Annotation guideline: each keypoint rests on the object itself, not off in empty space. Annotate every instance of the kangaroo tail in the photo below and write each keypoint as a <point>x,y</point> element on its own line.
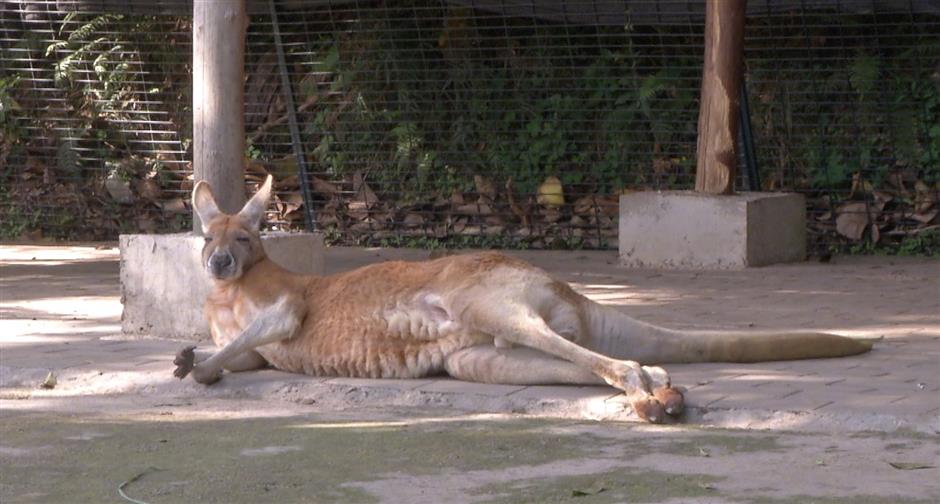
<point>616,334</point>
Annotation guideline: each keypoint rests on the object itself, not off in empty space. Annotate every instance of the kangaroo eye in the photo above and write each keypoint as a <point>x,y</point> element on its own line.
<point>243,239</point>
<point>207,238</point>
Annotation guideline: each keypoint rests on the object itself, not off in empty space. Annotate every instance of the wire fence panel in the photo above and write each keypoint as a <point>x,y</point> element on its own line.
<point>483,123</point>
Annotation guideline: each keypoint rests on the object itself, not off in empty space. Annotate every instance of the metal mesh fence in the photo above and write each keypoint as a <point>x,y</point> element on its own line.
<point>494,123</point>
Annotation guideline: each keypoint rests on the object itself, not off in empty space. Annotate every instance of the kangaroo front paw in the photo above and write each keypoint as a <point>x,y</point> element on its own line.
<point>650,409</point>
<point>185,360</point>
<point>671,398</point>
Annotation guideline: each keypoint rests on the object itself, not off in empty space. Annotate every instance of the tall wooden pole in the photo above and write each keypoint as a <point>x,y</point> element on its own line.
<point>219,100</point>
<point>720,107</point>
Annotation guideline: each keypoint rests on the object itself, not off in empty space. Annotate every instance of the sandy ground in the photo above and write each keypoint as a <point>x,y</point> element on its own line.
<point>78,442</point>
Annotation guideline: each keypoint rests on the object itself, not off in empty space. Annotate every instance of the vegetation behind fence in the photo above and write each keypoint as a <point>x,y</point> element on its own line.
<point>469,124</point>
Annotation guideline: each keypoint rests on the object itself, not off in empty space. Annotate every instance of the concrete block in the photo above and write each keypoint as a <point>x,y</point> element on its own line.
<point>164,286</point>
<point>684,229</point>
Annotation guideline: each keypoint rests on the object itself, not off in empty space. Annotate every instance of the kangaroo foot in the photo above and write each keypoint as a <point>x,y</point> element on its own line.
<point>206,375</point>
<point>671,398</point>
<point>650,409</point>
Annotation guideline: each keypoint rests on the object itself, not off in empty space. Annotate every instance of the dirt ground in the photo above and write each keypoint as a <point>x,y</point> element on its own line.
<point>79,442</point>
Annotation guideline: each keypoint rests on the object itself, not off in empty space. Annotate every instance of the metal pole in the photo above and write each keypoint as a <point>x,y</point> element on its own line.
<point>296,142</point>
<point>747,137</point>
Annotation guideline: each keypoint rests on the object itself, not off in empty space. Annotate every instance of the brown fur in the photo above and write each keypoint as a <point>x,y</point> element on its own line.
<point>410,320</point>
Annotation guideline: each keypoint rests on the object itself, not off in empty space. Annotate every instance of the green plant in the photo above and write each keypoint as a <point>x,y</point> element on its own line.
<point>926,243</point>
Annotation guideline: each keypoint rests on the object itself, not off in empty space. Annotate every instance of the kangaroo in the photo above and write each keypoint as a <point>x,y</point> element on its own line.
<point>482,317</point>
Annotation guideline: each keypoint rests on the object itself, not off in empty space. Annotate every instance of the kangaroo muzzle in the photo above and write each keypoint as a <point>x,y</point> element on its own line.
<point>222,265</point>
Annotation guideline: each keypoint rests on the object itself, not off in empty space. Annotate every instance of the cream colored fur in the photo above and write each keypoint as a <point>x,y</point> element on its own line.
<point>481,317</point>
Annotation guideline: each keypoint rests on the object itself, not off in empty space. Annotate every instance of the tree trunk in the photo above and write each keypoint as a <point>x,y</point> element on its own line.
<point>219,100</point>
<point>719,107</point>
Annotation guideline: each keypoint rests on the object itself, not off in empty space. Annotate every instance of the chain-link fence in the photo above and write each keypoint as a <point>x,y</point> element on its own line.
<point>495,123</point>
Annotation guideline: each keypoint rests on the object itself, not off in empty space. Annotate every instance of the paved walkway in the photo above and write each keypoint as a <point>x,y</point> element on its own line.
<point>60,312</point>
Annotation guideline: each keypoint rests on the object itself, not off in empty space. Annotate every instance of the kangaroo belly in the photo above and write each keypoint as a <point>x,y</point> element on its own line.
<point>393,343</point>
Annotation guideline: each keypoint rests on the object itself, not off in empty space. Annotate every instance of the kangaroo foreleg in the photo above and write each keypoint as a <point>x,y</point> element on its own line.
<point>276,323</point>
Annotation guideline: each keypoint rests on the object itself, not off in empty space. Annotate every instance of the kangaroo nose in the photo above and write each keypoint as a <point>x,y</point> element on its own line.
<point>221,261</point>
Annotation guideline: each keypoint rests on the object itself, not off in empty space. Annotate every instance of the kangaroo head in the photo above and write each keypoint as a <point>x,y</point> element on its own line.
<point>233,242</point>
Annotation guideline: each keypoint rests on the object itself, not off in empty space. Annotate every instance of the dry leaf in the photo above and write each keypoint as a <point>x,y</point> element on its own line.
<point>362,190</point>
<point>925,217</point>
<point>290,203</point>
<point>119,189</point>
<point>881,198</point>
<point>413,220</point>
<point>173,205</point>
<point>255,170</point>
<point>456,198</point>
<point>584,205</point>
<point>49,382</point>
<point>924,197</point>
<point>148,189</point>
<point>460,224</point>
<point>485,186</point>
<point>323,187</point>
<point>594,489</point>
<point>494,220</point>
<point>852,219</point>
<point>289,183</point>
<point>478,208</point>
<point>366,225</point>
<point>146,224</point>
<point>550,193</point>
<point>358,210</point>
<point>551,215</point>
<point>327,219</point>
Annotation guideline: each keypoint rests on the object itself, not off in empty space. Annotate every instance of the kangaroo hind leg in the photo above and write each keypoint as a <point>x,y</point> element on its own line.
<point>518,324</point>
<point>515,366</point>
<point>187,358</point>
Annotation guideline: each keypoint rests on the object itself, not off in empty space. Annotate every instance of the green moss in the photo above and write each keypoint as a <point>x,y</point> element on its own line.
<point>613,486</point>
<point>204,461</point>
<point>854,499</point>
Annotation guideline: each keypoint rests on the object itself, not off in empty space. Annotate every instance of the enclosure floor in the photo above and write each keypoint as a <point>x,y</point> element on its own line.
<point>61,312</point>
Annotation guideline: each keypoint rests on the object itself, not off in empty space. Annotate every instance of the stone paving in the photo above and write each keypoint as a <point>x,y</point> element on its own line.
<point>60,312</point>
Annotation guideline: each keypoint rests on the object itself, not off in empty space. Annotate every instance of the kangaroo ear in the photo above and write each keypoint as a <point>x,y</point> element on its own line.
<point>253,211</point>
<point>204,204</point>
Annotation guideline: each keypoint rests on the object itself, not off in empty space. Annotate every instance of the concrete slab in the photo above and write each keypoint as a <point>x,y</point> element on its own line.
<point>59,311</point>
<point>683,229</point>
<point>164,286</point>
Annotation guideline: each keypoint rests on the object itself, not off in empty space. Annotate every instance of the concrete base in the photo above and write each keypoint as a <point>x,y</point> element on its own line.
<point>164,286</point>
<point>684,229</point>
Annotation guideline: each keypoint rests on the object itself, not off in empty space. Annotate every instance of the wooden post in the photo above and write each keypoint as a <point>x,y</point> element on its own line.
<point>219,100</point>
<point>719,107</point>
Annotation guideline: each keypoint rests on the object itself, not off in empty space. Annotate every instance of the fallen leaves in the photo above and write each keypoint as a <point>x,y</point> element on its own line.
<point>49,382</point>
<point>594,489</point>
<point>890,212</point>
<point>852,219</point>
